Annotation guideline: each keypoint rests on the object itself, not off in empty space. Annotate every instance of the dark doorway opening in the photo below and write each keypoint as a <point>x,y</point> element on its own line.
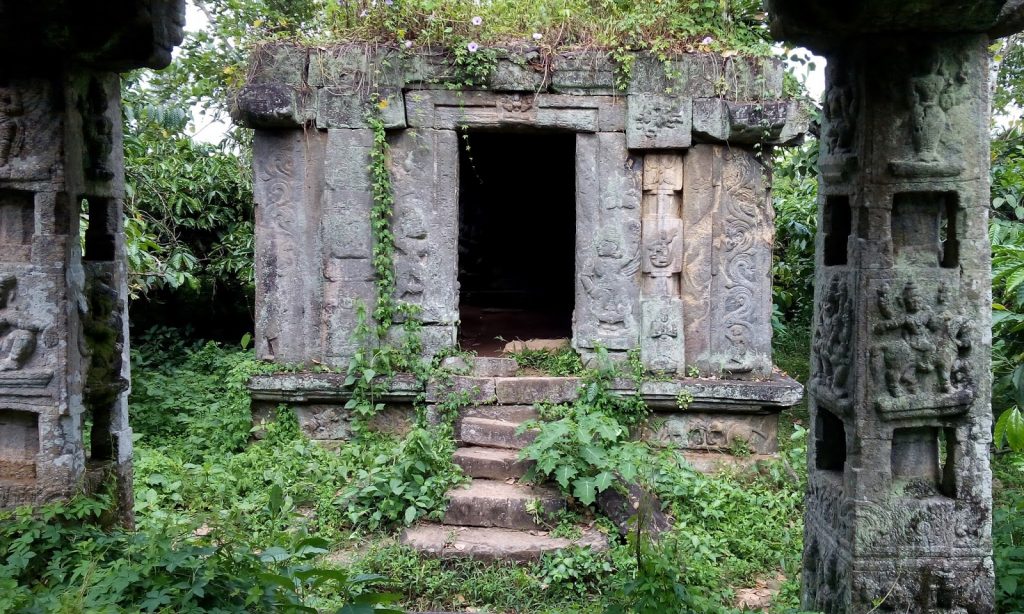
<point>517,235</point>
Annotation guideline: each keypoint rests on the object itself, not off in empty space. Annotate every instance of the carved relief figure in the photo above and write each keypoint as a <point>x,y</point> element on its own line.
<point>664,330</point>
<point>931,96</point>
<point>840,110</point>
<point>98,132</point>
<point>603,276</point>
<point>17,337</point>
<point>12,129</point>
<point>659,116</point>
<point>832,338</point>
<point>516,104</point>
<point>928,353</point>
<point>413,247</point>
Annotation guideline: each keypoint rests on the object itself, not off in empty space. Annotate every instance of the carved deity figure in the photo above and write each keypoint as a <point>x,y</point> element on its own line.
<point>602,279</point>
<point>17,338</point>
<point>664,330</point>
<point>931,96</point>
<point>98,132</point>
<point>413,246</point>
<point>832,339</point>
<point>12,131</point>
<point>739,358</point>
<point>840,111</point>
<point>931,342</point>
<point>659,251</point>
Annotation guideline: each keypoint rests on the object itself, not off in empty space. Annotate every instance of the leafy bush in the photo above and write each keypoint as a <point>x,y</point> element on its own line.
<point>59,558</point>
<point>794,193</point>
<point>1008,532</point>
<point>561,363</point>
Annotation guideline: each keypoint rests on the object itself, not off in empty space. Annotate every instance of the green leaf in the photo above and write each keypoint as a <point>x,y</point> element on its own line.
<point>1010,427</point>
<point>410,514</point>
<point>564,474</point>
<point>603,481</point>
<point>585,489</point>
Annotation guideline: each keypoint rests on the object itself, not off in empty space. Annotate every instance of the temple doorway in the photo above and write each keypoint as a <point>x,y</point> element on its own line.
<point>517,229</point>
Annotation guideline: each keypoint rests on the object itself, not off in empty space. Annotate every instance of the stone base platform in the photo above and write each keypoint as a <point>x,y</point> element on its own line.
<point>695,415</point>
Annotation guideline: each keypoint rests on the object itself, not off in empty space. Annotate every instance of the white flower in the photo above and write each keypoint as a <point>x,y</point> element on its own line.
<point>477,21</point>
<point>408,44</point>
<point>537,36</point>
<point>472,47</point>
<point>707,40</point>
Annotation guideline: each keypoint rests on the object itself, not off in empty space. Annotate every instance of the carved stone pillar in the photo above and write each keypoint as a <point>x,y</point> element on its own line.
<point>899,500</point>
<point>63,324</point>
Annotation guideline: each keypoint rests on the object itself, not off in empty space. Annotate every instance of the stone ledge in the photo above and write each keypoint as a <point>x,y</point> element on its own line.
<point>742,396</point>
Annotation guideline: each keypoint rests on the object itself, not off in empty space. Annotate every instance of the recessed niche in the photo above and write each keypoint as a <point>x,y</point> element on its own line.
<point>924,229</point>
<point>17,225</point>
<point>837,220</point>
<point>926,456</point>
<point>19,444</point>
<point>100,229</point>
<point>829,442</point>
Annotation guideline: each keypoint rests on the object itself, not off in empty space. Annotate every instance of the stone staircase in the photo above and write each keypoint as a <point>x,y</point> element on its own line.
<point>495,516</point>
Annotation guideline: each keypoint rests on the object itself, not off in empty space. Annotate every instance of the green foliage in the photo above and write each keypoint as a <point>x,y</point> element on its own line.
<point>660,27</point>
<point>584,445</point>
<point>190,396</point>
<point>657,584</point>
<point>402,484</point>
<point>60,559</point>
<point>794,193</point>
<point>558,363</point>
<point>1008,532</point>
<point>574,571</point>
<point>188,206</point>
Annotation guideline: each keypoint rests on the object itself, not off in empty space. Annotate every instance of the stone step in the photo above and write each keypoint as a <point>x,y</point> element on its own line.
<point>491,463</point>
<point>492,433</point>
<point>493,544</point>
<point>490,503</point>
<point>530,390</point>
<point>505,413</point>
<point>482,366</point>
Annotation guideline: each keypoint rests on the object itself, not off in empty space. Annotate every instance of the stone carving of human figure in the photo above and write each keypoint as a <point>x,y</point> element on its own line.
<point>664,330</point>
<point>17,339</point>
<point>738,358</point>
<point>832,342</point>
<point>907,359</point>
<point>413,247</point>
<point>839,108</point>
<point>602,281</point>
<point>954,340</point>
<point>12,133</point>
<point>931,96</point>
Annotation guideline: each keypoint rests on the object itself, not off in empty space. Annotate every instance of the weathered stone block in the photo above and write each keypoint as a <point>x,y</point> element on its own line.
<point>657,121</point>
<point>425,180</point>
<point>493,433</point>
<point>726,285</point>
<point>488,503</point>
<point>278,63</point>
<point>518,72</point>
<point>662,343</point>
<point>530,390</point>
<point>586,72</point>
<point>491,463</point>
<point>476,389</point>
<point>274,105</point>
<point>608,183</point>
<point>341,107</point>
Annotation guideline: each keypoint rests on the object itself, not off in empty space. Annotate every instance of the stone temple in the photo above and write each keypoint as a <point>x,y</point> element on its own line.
<point>545,205</point>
